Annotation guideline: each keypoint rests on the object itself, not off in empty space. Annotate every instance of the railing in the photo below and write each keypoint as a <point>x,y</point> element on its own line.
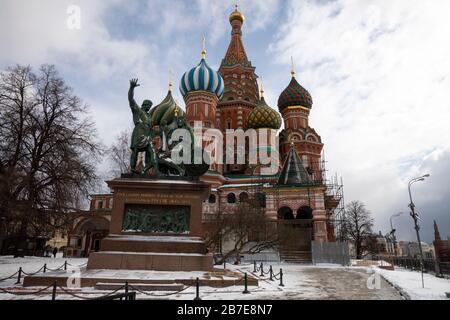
<point>440,269</point>
<point>44,269</point>
<point>272,276</point>
<point>130,291</point>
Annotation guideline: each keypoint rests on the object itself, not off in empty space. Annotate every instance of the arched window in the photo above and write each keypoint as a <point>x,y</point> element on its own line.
<point>285,213</point>
<point>262,199</point>
<point>312,138</point>
<point>212,199</point>
<point>231,198</point>
<point>228,123</point>
<point>305,213</point>
<point>243,197</point>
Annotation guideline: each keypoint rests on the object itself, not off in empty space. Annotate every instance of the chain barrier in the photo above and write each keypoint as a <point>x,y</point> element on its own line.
<point>10,277</point>
<point>44,269</point>
<point>63,266</point>
<point>278,276</point>
<point>272,275</point>
<point>32,274</point>
<point>77,266</point>
<point>158,295</point>
<point>25,293</point>
<point>86,298</point>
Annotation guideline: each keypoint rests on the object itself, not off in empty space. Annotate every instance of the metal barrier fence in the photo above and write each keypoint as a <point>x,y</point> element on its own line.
<point>130,291</point>
<point>440,269</point>
<point>330,252</point>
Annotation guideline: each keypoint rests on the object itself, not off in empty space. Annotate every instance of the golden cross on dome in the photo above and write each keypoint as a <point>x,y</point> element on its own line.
<point>293,73</point>
<point>204,47</point>
<point>170,79</point>
<point>262,87</point>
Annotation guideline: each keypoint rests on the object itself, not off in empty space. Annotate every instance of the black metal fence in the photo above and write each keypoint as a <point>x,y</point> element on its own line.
<point>130,291</point>
<point>440,269</point>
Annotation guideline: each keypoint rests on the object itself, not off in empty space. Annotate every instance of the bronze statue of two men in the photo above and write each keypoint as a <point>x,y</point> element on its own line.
<point>160,160</point>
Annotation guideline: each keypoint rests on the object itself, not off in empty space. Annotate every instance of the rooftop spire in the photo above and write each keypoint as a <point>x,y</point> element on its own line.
<point>437,235</point>
<point>170,79</point>
<point>204,48</point>
<point>262,87</point>
<point>293,73</point>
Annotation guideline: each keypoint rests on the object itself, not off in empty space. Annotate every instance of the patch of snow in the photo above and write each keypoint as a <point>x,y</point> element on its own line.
<point>411,283</point>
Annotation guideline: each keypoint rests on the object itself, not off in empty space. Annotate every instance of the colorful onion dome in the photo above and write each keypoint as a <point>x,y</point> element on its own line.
<point>263,116</point>
<point>294,96</point>
<point>236,15</point>
<point>202,78</point>
<point>166,111</point>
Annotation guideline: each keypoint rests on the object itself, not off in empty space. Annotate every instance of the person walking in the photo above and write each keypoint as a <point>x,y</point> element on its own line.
<point>55,251</point>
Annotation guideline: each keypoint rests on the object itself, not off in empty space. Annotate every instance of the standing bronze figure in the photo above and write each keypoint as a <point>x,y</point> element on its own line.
<point>142,137</point>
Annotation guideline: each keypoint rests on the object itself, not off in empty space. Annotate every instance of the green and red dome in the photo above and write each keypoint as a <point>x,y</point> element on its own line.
<point>294,96</point>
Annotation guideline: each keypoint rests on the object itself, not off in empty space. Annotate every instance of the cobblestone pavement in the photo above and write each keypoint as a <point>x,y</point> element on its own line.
<point>327,283</point>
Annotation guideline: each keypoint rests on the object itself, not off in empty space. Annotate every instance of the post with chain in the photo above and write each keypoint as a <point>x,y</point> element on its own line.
<point>65,265</point>
<point>54,291</point>
<point>262,270</point>
<point>19,276</point>
<point>281,278</point>
<point>246,284</point>
<point>271,273</point>
<point>45,267</point>
<point>254,267</point>
<point>197,290</point>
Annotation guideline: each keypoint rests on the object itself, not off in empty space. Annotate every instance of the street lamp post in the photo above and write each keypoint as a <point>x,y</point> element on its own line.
<point>394,238</point>
<point>415,217</point>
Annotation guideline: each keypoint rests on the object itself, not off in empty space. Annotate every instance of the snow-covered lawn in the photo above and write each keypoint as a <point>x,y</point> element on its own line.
<point>301,282</point>
<point>410,282</point>
<point>10,265</point>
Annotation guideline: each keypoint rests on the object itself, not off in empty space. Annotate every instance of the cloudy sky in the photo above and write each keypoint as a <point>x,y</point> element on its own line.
<point>378,71</point>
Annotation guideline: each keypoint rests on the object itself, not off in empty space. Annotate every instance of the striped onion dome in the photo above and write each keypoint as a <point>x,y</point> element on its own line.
<point>166,111</point>
<point>202,78</point>
<point>294,96</point>
<point>263,116</point>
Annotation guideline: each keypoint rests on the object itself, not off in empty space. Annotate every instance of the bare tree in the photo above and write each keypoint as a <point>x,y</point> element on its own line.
<point>358,225</point>
<point>48,149</point>
<point>119,154</point>
<point>247,220</point>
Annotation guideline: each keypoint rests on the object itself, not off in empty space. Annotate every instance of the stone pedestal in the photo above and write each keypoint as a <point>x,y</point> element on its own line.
<point>155,225</point>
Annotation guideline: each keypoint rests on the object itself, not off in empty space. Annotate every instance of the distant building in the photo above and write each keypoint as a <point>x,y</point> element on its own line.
<point>90,227</point>
<point>412,250</point>
<point>442,247</point>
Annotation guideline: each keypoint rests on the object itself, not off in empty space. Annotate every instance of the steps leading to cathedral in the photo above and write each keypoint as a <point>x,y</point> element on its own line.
<point>300,257</point>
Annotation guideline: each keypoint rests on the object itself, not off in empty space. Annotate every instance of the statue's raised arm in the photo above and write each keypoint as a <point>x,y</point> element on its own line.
<point>133,84</point>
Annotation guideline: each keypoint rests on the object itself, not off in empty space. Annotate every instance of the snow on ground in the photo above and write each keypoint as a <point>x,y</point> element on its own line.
<point>301,282</point>
<point>411,283</point>
<point>10,265</point>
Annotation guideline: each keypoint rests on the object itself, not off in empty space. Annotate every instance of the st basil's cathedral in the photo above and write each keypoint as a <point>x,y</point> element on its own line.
<point>302,204</point>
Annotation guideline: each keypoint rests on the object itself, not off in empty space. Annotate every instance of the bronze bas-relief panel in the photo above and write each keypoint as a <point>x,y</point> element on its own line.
<point>148,218</point>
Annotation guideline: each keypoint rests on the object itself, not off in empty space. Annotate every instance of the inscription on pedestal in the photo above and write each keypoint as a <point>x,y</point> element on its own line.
<point>149,218</point>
